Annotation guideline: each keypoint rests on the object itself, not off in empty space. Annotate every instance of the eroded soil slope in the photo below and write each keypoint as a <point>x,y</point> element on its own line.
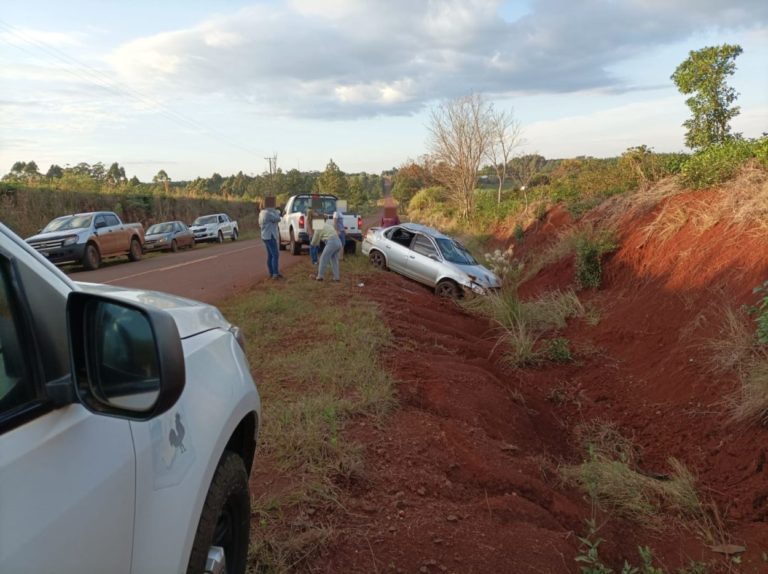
<point>464,476</point>
<point>461,479</point>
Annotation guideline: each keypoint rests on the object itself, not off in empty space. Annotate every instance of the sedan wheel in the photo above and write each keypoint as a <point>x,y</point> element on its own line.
<point>377,260</point>
<point>447,289</point>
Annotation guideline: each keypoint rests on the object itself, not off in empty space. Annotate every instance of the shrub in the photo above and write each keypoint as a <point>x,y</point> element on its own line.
<point>591,245</point>
<point>558,350</point>
<point>427,198</point>
<point>505,266</point>
<point>721,162</point>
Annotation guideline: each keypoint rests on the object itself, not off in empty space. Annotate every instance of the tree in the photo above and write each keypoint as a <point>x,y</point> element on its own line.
<point>333,181</point>
<point>115,174</point>
<point>54,172</point>
<point>505,137</point>
<point>163,178</point>
<point>703,74</point>
<point>524,169</point>
<point>460,133</point>
<point>410,177</point>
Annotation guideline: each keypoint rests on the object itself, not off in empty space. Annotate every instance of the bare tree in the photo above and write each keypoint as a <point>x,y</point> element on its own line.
<point>524,168</point>
<point>505,137</point>
<point>460,133</point>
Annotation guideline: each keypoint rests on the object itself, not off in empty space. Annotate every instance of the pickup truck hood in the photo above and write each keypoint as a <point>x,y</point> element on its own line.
<point>192,317</point>
<point>55,235</point>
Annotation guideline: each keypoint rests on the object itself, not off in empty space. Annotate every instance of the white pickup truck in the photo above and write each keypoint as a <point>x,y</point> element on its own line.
<point>215,227</point>
<point>128,423</point>
<point>293,224</point>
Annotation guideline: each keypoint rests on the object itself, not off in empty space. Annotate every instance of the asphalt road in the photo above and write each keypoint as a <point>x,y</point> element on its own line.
<point>207,273</point>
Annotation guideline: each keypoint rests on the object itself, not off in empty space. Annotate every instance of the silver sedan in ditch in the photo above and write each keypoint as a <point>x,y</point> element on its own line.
<point>427,256</point>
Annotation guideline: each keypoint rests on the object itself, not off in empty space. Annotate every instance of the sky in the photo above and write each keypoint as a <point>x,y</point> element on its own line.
<point>202,86</point>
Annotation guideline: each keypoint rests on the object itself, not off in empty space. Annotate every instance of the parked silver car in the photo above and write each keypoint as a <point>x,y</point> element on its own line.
<point>427,256</point>
<point>168,236</point>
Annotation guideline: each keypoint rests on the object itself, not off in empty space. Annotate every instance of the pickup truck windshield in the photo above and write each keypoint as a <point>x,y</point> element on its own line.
<point>160,228</point>
<point>455,252</point>
<point>69,222</point>
<point>206,219</point>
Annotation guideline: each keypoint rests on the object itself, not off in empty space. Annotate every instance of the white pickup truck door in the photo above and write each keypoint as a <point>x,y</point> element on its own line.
<point>67,476</point>
<point>67,487</point>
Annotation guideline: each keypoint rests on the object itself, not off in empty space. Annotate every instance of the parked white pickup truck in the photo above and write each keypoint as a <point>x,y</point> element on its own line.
<point>128,423</point>
<point>293,224</point>
<point>215,227</point>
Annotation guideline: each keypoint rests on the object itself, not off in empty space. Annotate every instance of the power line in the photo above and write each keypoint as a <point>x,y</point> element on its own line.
<point>96,77</point>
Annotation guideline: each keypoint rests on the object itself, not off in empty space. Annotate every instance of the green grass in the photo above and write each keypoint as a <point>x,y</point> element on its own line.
<point>313,348</point>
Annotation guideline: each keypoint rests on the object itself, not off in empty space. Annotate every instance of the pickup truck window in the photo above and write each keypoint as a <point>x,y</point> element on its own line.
<point>100,222</point>
<point>327,205</point>
<point>69,222</point>
<point>112,220</point>
<point>15,387</point>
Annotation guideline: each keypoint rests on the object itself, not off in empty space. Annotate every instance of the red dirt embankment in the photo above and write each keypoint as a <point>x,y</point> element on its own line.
<point>464,476</point>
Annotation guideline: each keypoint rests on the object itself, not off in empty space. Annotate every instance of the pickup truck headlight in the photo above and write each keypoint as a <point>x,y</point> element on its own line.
<point>70,240</point>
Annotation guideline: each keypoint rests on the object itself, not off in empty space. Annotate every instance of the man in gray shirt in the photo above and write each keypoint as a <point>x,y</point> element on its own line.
<point>269,217</point>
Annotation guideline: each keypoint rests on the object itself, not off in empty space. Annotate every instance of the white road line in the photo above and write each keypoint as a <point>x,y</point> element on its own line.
<point>178,265</point>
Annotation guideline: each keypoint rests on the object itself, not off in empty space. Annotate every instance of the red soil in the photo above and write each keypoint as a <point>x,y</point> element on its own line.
<point>464,476</point>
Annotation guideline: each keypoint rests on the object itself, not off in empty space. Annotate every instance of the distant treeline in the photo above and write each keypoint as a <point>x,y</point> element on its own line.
<point>29,198</point>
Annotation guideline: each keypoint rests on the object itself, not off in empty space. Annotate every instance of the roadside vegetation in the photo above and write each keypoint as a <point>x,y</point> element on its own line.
<point>291,331</point>
<point>30,198</point>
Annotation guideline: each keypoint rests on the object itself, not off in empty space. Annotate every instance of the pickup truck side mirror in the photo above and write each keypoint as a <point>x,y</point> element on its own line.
<point>127,359</point>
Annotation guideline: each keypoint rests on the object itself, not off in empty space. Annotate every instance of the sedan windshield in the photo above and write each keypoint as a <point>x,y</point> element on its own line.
<point>160,228</point>
<point>206,220</point>
<point>455,252</point>
<point>69,222</point>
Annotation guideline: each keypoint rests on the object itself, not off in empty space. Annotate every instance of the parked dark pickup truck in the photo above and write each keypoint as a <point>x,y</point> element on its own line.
<point>87,238</point>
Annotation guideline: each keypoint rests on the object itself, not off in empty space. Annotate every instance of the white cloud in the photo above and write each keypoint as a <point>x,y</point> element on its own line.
<point>352,58</point>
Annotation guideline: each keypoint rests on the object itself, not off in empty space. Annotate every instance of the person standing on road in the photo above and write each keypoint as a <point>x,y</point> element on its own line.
<point>331,251</point>
<point>338,223</point>
<point>309,227</point>
<point>268,219</point>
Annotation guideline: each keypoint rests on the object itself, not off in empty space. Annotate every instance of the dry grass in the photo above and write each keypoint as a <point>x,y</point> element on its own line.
<point>291,331</point>
<point>737,350</point>
<point>522,323</point>
<point>611,478</point>
<point>740,204</point>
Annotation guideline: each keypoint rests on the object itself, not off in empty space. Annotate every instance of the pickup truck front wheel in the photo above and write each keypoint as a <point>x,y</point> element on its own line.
<point>135,252</point>
<point>225,521</point>
<point>91,257</point>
